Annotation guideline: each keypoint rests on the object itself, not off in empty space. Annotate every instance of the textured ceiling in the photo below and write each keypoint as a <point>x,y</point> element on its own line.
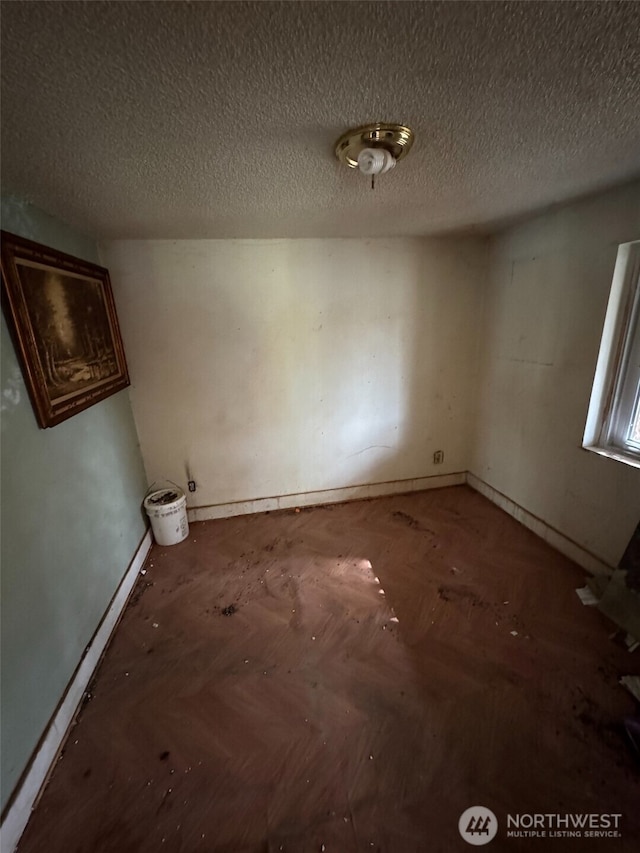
<point>212,119</point>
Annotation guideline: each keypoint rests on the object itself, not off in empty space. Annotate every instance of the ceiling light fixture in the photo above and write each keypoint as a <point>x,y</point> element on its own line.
<point>374,148</point>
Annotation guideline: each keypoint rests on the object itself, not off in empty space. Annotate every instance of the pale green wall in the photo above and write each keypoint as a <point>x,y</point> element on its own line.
<point>71,522</point>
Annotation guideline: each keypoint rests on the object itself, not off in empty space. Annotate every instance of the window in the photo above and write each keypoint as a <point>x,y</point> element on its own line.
<point>613,422</point>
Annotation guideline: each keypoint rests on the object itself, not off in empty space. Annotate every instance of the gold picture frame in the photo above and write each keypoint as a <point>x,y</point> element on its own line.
<point>62,317</point>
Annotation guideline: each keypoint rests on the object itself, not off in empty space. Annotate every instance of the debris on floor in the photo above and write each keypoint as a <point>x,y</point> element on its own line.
<point>631,643</point>
<point>587,596</point>
<point>206,751</point>
<point>613,596</point>
<point>632,683</point>
<point>621,603</point>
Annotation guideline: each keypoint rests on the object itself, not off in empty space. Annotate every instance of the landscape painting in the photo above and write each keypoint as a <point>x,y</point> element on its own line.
<point>64,325</point>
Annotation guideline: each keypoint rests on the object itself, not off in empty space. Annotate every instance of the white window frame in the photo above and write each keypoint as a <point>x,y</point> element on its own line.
<point>615,398</point>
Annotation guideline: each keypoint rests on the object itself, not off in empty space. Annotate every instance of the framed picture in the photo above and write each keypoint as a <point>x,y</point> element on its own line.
<point>62,317</point>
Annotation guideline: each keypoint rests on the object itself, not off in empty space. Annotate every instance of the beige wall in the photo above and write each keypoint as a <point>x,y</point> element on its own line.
<point>281,367</point>
<point>288,366</point>
<point>545,304</point>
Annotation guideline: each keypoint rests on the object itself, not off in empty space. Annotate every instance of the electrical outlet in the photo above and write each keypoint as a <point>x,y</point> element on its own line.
<point>438,457</point>
<point>192,485</point>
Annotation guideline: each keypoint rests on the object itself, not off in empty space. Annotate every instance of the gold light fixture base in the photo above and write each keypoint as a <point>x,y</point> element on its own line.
<point>396,138</point>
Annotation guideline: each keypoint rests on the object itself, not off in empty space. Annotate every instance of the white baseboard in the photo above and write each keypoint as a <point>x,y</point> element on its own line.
<point>43,759</point>
<point>557,540</point>
<point>325,496</point>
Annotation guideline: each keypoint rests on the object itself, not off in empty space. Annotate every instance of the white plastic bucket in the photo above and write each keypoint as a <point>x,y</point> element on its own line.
<point>167,511</point>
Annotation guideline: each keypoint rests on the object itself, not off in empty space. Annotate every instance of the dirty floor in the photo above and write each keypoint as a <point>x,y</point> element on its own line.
<point>347,678</point>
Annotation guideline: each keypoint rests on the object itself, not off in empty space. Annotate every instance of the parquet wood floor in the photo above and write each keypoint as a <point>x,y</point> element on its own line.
<point>382,666</point>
